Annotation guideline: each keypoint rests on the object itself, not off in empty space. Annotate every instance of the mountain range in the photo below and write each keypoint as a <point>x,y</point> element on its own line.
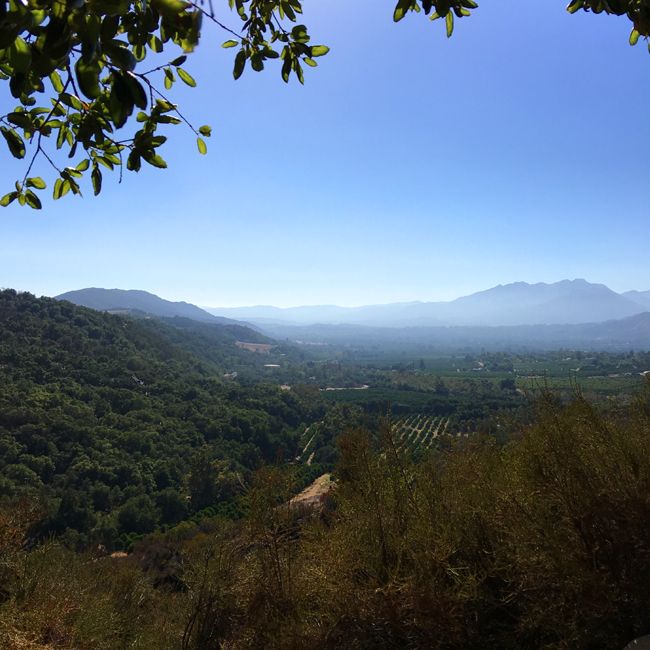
<point>570,313</point>
<point>560,303</point>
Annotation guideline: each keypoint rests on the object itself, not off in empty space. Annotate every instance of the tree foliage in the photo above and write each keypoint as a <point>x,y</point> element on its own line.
<point>92,77</point>
<point>118,428</point>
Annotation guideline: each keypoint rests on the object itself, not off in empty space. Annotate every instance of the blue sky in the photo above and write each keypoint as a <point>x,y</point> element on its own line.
<point>409,167</point>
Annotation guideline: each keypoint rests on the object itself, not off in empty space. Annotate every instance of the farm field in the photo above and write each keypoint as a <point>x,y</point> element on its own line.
<point>417,433</point>
<point>602,385</point>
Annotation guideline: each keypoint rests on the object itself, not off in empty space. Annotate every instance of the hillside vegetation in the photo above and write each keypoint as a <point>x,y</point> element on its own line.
<point>146,494</point>
<point>543,543</point>
<point>120,425</point>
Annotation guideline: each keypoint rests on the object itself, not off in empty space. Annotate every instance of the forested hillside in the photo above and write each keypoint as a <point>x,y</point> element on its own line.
<point>119,426</point>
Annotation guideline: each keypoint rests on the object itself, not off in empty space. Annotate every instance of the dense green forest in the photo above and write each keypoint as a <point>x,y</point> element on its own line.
<point>123,425</point>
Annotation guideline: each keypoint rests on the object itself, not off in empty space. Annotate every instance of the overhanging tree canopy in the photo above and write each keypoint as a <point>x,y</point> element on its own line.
<point>91,76</point>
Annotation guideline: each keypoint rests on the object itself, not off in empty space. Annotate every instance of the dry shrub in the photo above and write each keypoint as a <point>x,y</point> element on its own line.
<point>543,543</point>
<point>68,600</point>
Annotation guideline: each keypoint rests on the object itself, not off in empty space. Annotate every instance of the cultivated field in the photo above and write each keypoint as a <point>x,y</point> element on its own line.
<point>419,431</point>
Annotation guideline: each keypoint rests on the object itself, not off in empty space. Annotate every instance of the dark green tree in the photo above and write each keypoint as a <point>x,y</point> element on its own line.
<point>138,515</point>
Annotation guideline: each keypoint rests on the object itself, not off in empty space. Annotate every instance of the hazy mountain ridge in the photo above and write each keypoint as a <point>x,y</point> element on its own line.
<point>640,297</point>
<point>570,313</point>
<point>133,300</point>
<point>560,303</point>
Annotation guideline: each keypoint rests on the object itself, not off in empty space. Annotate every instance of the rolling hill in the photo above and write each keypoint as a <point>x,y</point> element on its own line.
<point>120,300</point>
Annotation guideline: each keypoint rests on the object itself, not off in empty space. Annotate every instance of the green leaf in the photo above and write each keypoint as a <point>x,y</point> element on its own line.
<point>154,159</point>
<point>319,50</point>
<point>203,148</point>
<point>138,94</point>
<point>298,70</point>
<point>22,120</point>
<point>96,177</point>
<point>169,78</point>
<point>36,182</point>
<point>20,55</point>
<point>120,101</point>
<point>240,64</point>
<point>71,100</point>
<point>88,78</point>
<point>69,172</point>
<point>8,198</point>
<point>230,44</point>
<point>57,84</point>
<point>155,44</point>
<point>634,37</point>
<point>61,137</point>
<point>170,8</point>
<point>310,62</point>
<point>83,165</point>
<point>286,65</point>
<point>449,23</point>
<point>122,57</point>
<point>299,34</point>
<point>32,200</point>
<point>134,162</point>
<point>257,62</point>
<point>205,130</point>
<point>72,184</point>
<point>164,106</point>
<point>57,193</point>
<point>14,142</point>
<point>575,6</point>
<point>186,77</point>
<point>401,8</point>
<point>178,61</point>
<point>59,8</point>
<point>168,119</point>
<point>139,52</point>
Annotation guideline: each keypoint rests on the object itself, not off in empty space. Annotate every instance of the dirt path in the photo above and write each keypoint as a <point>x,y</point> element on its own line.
<point>313,494</point>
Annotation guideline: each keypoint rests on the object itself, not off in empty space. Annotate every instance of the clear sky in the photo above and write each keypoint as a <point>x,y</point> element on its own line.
<point>409,167</point>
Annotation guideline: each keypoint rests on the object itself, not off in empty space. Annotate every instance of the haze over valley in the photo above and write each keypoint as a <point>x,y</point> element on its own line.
<point>569,313</point>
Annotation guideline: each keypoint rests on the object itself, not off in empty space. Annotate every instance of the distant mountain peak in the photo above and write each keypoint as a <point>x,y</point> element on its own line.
<point>518,303</point>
